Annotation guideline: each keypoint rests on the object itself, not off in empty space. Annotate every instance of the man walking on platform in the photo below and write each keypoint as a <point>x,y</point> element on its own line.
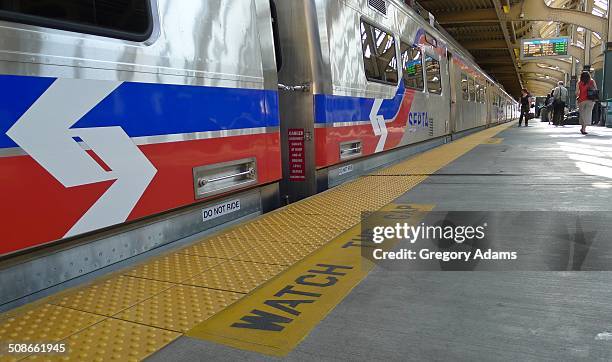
<point>525,105</point>
<point>560,95</point>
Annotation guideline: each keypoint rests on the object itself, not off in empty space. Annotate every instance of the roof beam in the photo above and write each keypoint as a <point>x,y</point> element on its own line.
<point>537,10</point>
<point>551,83</point>
<point>558,63</point>
<point>504,26</point>
<point>527,10</point>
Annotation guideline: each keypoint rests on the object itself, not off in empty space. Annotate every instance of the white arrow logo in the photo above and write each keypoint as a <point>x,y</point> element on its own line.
<point>44,133</point>
<point>378,124</point>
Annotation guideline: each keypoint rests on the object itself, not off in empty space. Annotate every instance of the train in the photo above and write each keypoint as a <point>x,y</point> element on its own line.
<point>157,119</point>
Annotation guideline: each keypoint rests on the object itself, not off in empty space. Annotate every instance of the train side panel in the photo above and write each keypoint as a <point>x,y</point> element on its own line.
<point>97,131</point>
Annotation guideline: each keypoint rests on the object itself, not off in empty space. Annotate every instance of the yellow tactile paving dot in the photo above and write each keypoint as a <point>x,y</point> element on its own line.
<point>221,246</point>
<point>111,296</point>
<point>277,253</point>
<point>45,323</point>
<point>341,222</point>
<point>179,308</point>
<point>174,267</point>
<point>282,233</point>
<point>113,340</point>
<point>236,276</point>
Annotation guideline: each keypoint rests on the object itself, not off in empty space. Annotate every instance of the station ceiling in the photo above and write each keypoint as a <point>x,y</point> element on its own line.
<point>483,29</point>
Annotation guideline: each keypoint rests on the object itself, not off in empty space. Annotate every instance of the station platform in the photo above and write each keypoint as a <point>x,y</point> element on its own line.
<point>293,283</point>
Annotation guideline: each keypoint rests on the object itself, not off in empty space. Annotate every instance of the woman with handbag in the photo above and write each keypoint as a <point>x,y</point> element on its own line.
<point>587,94</point>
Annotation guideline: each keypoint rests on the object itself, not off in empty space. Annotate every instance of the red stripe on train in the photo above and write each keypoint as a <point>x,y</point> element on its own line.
<point>37,209</point>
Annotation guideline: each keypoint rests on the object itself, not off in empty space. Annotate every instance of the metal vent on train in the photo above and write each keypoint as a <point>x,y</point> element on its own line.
<point>380,5</point>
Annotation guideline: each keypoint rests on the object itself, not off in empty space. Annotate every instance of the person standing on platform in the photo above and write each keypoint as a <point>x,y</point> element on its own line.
<point>560,95</point>
<point>546,113</point>
<point>586,93</point>
<point>525,103</point>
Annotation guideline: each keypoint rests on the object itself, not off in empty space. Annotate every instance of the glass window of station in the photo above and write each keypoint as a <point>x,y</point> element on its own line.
<point>412,62</point>
<point>91,17</point>
<point>379,58</point>
<point>434,80</point>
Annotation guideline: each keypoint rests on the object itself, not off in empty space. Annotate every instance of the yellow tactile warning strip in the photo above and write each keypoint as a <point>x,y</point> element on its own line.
<point>139,310</point>
<point>322,221</point>
<point>218,247</point>
<point>277,253</point>
<point>236,276</point>
<point>111,296</point>
<point>174,267</point>
<point>113,340</point>
<point>180,308</point>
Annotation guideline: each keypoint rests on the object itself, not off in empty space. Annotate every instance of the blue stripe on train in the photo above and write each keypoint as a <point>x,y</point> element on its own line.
<point>148,109</point>
<point>333,109</point>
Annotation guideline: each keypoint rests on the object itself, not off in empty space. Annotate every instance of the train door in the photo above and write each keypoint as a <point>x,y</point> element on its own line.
<point>438,94</point>
<point>453,93</point>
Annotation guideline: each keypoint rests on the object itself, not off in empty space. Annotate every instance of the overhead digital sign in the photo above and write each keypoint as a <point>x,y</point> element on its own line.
<point>413,66</point>
<point>544,48</point>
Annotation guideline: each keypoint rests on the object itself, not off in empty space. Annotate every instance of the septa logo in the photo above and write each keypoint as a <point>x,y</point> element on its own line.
<point>418,119</point>
<point>45,133</point>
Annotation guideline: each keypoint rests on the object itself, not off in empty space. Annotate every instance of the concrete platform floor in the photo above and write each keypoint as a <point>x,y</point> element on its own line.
<point>492,316</point>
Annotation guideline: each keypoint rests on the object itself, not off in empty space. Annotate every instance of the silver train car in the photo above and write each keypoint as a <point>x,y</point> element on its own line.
<point>383,83</point>
<point>129,124</point>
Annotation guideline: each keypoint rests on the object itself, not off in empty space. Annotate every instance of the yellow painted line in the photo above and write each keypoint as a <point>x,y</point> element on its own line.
<point>276,317</point>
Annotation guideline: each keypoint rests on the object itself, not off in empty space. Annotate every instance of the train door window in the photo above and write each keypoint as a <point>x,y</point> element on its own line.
<point>472,87</point>
<point>477,91</point>
<point>379,54</point>
<point>434,80</point>
<point>465,87</point>
<point>124,19</point>
<point>412,63</point>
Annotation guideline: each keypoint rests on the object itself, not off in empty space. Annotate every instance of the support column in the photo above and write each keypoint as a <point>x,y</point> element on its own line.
<point>607,83</point>
<point>572,74</point>
<point>588,8</point>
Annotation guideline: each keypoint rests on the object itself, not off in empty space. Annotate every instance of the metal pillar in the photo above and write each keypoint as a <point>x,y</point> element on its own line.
<point>588,8</point>
<point>607,76</point>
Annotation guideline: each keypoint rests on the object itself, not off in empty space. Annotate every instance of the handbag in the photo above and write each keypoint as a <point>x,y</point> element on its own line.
<point>592,92</point>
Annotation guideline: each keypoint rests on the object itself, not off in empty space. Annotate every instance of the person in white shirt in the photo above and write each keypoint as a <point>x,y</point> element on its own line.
<point>560,95</point>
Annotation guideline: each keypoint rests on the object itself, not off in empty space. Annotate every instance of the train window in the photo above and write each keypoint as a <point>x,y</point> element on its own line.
<point>478,86</point>
<point>434,80</point>
<point>472,90</point>
<point>464,87</point>
<point>483,94</point>
<point>124,19</point>
<point>379,56</point>
<point>412,62</point>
